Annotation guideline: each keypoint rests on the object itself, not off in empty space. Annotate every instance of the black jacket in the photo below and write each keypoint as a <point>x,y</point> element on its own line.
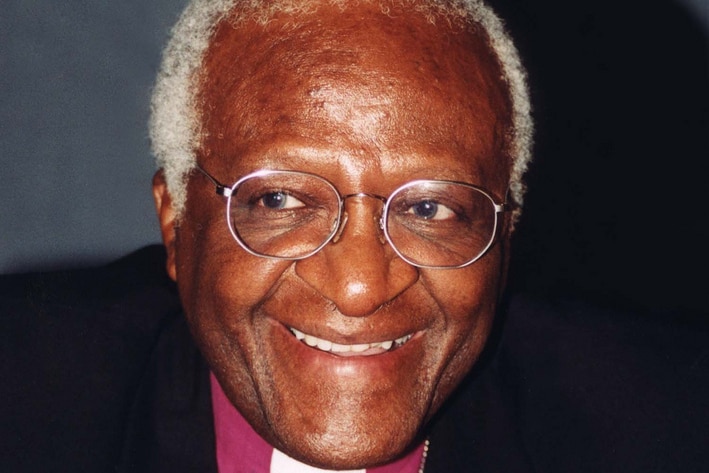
<point>99,374</point>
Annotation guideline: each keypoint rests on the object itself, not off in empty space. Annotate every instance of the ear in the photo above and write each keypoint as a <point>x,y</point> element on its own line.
<point>167,220</point>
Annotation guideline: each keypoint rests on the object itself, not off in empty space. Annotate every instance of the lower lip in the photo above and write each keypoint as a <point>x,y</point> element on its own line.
<point>387,363</point>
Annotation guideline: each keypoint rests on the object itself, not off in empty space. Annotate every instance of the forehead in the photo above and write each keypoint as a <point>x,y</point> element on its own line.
<point>354,79</point>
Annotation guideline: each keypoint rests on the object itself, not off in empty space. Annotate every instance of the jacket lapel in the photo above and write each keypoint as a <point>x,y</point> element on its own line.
<point>171,427</point>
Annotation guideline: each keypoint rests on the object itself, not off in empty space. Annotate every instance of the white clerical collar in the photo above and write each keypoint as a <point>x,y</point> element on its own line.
<point>282,463</point>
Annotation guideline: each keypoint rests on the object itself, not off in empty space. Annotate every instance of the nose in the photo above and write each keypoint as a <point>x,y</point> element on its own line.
<point>358,271</point>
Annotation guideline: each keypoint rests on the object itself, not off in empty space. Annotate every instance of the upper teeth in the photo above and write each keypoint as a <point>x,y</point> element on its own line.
<point>327,345</point>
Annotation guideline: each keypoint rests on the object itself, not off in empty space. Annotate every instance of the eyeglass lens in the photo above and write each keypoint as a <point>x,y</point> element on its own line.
<point>429,223</point>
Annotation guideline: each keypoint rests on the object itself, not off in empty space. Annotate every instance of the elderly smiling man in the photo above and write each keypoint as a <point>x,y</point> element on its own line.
<point>372,148</point>
<point>338,185</point>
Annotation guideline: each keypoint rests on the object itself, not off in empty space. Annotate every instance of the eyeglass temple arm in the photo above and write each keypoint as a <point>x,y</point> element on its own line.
<point>508,205</point>
<point>220,188</point>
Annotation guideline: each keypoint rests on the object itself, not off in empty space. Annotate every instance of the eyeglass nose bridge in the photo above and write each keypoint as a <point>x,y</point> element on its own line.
<point>344,216</point>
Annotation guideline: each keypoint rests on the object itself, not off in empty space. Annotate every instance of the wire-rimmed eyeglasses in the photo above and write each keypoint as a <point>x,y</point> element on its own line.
<point>292,215</point>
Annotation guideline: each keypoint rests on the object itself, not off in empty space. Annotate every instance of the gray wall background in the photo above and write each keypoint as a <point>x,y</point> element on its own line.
<point>75,169</point>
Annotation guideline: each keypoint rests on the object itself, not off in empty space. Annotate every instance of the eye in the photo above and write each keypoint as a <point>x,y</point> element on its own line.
<point>279,201</point>
<point>431,210</point>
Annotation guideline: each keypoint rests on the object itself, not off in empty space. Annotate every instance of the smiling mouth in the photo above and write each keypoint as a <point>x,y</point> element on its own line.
<point>359,349</point>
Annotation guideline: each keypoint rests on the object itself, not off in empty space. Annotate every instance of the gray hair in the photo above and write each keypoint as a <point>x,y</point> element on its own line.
<point>175,123</point>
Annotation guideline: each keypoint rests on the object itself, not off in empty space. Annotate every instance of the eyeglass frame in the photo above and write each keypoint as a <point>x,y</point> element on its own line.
<point>228,191</point>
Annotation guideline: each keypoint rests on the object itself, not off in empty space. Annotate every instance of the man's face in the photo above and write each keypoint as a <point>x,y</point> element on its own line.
<point>369,102</point>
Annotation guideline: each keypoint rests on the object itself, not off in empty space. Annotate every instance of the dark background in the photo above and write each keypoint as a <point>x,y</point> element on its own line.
<point>617,207</point>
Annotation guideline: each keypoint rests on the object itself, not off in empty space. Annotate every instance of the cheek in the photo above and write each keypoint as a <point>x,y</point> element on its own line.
<point>212,269</point>
<point>222,287</point>
<point>220,284</point>
<point>468,298</point>
<point>469,294</point>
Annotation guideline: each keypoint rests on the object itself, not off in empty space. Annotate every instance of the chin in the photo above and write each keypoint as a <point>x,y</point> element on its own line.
<point>354,453</point>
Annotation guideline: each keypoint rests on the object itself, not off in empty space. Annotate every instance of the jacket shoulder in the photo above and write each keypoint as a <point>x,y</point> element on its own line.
<point>74,345</point>
<point>607,389</point>
<point>566,385</point>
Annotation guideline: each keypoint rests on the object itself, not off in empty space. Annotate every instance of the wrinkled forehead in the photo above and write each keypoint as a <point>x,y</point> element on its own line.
<point>437,73</point>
